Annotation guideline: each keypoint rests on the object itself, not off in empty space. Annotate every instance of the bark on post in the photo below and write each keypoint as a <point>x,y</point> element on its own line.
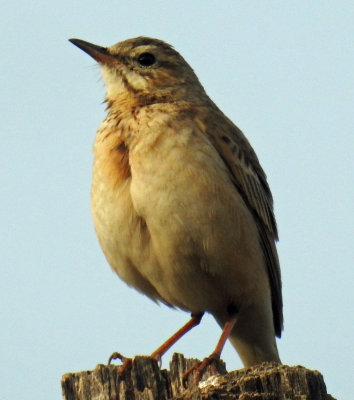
<point>146,381</point>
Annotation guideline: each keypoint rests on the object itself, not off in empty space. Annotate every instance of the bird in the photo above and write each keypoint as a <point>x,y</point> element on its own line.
<point>180,203</point>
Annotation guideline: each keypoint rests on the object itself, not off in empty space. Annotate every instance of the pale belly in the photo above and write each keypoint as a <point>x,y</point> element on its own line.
<point>181,236</point>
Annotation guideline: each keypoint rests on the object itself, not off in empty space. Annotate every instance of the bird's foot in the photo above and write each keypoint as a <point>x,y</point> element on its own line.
<point>200,368</point>
<point>127,362</point>
<point>157,357</point>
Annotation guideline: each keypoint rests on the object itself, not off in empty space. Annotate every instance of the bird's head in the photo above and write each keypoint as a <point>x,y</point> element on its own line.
<point>145,71</point>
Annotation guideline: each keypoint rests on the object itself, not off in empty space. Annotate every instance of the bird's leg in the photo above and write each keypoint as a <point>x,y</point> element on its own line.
<point>158,353</point>
<point>200,367</point>
<point>194,321</point>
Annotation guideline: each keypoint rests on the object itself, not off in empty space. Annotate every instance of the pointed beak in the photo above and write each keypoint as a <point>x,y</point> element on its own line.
<point>98,53</point>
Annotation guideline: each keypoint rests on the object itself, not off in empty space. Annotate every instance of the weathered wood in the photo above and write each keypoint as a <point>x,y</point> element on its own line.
<point>146,381</point>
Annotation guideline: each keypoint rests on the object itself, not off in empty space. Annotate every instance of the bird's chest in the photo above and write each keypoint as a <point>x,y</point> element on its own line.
<point>112,211</point>
<point>116,223</point>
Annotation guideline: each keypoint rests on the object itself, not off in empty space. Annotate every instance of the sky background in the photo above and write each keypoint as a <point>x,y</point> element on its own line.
<point>281,70</point>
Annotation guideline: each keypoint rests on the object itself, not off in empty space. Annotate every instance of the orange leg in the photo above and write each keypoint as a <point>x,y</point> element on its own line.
<point>158,353</point>
<point>201,367</point>
<point>194,321</point>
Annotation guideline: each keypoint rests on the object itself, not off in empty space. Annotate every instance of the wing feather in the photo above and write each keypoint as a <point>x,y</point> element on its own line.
<point>250,180</point>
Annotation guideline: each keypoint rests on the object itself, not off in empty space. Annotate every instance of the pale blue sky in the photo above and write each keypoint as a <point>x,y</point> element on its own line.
<point>281,70</point>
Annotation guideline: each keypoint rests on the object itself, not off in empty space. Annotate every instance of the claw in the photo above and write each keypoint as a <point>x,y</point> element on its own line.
<point>158,358</point>
<point>115,356</point>
<point>200,369</point>
<point>127,362</point>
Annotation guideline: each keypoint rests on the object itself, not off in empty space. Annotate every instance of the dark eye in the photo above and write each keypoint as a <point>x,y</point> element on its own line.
<point>146,59</point>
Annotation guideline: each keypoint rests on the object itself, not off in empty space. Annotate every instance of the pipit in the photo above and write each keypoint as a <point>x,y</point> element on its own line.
<point>180,202</point>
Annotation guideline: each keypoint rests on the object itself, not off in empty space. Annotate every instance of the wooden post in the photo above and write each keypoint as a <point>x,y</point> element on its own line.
<point>146,381</point>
